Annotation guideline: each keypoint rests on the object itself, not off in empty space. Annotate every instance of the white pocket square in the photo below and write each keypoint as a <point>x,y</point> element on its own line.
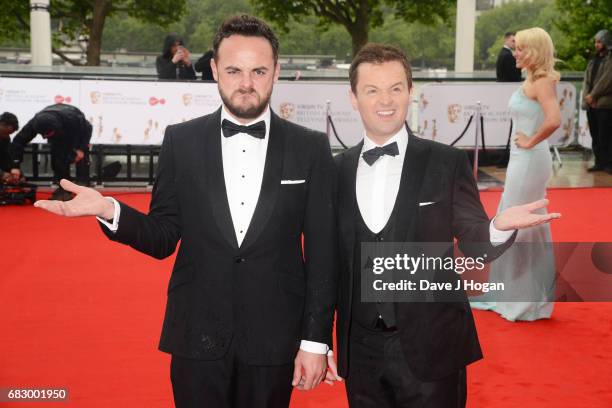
<point>292,181</point>
<point>426,203</point>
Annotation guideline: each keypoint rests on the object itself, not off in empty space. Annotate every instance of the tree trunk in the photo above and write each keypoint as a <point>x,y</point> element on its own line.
<point>360,28</point>
<point>101,9</point>
<point>359,37</point>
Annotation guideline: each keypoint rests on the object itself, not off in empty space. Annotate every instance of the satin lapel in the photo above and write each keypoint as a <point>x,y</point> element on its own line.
<point>270,184</point>
<point>413,173</point>
<point>348,207</point>
<point>216,191</point>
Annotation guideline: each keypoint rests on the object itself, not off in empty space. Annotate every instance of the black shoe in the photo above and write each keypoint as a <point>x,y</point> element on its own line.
<point>595,168</point>
<point>61,195</point>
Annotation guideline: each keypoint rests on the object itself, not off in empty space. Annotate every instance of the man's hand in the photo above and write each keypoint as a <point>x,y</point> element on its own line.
<point>79,155</point>
<point>86,202</point>
<point>309,371</point>
<point>186,56</point>
<point>590,101</point>
<point>521,216</point>
<point>332,371</point>
<point>178,56</point>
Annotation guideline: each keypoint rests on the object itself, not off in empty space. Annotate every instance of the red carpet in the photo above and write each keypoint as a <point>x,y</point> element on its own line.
<point>81,312</point>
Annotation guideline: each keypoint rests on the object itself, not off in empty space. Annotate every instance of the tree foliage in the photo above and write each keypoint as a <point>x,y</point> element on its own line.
<point>513,16</point>
<point>358,17</point>
<point>579,21</point>
<point>83,21</point>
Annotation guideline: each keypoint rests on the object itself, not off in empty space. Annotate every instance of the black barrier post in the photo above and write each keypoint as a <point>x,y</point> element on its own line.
<point>504,160</point>
<point>35,160</point>
<point>128,149</point>
<point>151,171</point>
<point>99,160</point>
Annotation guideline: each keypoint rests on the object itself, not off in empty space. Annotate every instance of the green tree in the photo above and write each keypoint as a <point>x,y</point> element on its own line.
<point>513,16</point>
<point>579,21</point>
<point>427,45</point>
<point>84,20</point>
<point>358,17</point>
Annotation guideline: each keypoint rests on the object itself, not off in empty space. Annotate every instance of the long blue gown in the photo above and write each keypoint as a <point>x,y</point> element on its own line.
<point>527,270</point>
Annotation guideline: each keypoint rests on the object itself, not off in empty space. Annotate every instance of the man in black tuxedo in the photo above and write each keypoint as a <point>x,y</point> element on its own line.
<point>395,187</point>
<point>505,67</point>
<point>249,306</point>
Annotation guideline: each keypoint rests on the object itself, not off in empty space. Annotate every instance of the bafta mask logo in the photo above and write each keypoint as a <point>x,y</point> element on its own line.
<point>453,111</point>
<point>187,98</point>
<point>287,110</point>
<point>94,97</point>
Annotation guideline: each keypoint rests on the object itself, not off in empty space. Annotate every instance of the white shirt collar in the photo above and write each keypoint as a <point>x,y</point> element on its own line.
<point>508,48</point>
<point>265,116</point>
<point>400,137</point>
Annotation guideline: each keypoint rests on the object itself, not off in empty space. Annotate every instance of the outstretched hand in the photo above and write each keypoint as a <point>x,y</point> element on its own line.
<point>522,216</point>
<point>86,202</point>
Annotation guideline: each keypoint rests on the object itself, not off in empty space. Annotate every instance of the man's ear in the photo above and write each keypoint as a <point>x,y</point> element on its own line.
<point>213,66</point>
<point>353,98</point>
<point>276,71</point>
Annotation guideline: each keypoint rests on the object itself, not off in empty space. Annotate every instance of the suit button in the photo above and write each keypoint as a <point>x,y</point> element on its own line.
<point>239,260</point>
<point>380,239</point>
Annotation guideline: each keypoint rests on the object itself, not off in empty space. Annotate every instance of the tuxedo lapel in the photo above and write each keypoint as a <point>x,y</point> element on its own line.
<point>413,173</point>
<point>216,191</point>
<point>348,202</point>
<point>270,183</point>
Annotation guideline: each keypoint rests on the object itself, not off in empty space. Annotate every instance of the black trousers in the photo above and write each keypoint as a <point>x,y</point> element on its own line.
<point>379,377</point>
<point>600,126</point>
<point>62,157</point>
<point>229,383</point>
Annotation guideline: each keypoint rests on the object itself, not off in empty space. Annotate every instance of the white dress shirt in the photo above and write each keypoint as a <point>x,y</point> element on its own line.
<point>377,186</point>
<point>244,158</point>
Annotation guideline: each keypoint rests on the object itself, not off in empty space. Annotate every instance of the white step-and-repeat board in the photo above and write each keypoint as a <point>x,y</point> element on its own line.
<point>137,112</point>
<point>445,108</point>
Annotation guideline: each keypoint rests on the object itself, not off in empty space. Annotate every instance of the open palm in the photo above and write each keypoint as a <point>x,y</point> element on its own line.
<point>86,202</point>
<point>523,216</point>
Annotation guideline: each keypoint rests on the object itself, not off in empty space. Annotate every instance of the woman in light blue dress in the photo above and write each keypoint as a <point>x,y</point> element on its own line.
<point>528,269</point>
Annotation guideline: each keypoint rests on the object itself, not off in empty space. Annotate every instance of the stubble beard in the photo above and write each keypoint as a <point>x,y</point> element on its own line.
<point>246,113</point>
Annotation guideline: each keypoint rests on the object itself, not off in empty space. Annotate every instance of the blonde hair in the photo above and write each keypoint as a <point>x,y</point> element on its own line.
<point>539,59</point>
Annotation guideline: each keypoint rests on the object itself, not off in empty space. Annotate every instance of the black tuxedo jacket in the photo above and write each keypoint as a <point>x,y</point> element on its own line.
<point>505,67</point>
<point>437,338</point>
<point>266,294</point>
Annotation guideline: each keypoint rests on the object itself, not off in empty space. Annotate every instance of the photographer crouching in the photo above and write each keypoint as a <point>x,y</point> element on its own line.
<point>68,133</point>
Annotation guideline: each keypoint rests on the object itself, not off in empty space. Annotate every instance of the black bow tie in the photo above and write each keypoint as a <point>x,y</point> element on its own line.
<point>370,156</point>
<point>257,130</point>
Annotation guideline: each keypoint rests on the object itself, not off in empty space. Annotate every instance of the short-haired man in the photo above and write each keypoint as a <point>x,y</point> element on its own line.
<point>8,125</point>
<point>597,100</point>
<point>250,308</point>
<point>505,67</point>
<point>395,187</point>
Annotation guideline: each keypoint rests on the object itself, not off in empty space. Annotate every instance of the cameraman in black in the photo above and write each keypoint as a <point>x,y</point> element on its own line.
<point>8,125</point>
<point>68,134</point>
